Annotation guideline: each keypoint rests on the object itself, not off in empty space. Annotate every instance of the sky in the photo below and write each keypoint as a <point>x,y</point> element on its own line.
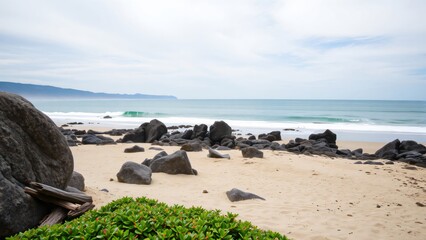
<point>219,49</point>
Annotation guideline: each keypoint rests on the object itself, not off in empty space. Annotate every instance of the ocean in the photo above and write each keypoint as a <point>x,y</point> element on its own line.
<point>374,121</point>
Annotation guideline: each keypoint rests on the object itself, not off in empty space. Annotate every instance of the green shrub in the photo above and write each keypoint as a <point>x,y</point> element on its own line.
<point>143,218</point>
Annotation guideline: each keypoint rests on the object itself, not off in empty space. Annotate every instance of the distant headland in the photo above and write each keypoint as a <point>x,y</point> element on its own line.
<point>41,91</point>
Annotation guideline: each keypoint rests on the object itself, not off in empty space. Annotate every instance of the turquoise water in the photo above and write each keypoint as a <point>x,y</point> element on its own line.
<point>394,118</point>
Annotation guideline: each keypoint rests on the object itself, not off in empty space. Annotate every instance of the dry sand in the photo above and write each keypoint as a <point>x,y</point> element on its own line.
<point>307,197</point>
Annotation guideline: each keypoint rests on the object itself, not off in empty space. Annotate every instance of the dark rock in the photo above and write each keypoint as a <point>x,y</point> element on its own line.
<point>262,136</point>
<point>276,146</point>
<point>72,140</point>
<point>107,117</point>
<point>187,134</point>
<point>147,132</point>
<point>148,161</point>
<point>228,142</point>
<point>97,139</point>
<point>223,148</point>
<point>173,127</point>
<point>344,152</point>
<point>251,152</point>
<point>134,173</point>
<point>154,130</point>
<point>219,130</point>
<point>238,195</point>
<point>409,146</point>
<point>276,134</point>
<point>200,131</point>
<point>176,163</point>
<point>93,132</point>
<point>79,132</point>
<point>215,154</point>
<point>156,149</point>
<point>289,129</point>
<point>191,147</point>
<point>357,152</point>
<point>373,163</point>
<point>32,149</point>
<point>358,162</point>
<point>77,181</point>
<point>389,162</point>
<point>104,190</point>
<point>73,190</point>
<point>242,145</point>
<point>410,154</point>
<point>136,136</point>
<point>328,135</point>
<point>134,149</point>
<point>252,137</point>
<point>389,151</point>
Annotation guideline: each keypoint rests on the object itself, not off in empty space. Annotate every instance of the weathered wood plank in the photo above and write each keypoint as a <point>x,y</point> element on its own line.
<point>50,199</point>
<point>56,216</point>
<point>80,210</point>
<point>61,194</point>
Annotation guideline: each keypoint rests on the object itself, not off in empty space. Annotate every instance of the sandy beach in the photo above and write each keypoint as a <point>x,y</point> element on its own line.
<point>307,197</point>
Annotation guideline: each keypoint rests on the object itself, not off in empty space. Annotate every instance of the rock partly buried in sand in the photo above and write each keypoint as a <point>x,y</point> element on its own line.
<point>192,147</point>
<point>235,195</point>
<point>97,139</point>
<point>32,149</point>
<point>77,181</point>
<point>215,154</point>
<point>176,163</point>
<point>134,149</point>
<point>134,173</point>
<point>219,130</point>
<point>252,152</point>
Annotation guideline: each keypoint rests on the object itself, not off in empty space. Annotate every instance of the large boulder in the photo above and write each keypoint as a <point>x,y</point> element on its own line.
<point>154,130</point>
<point>176,163</point>
<point>32,149</point>
<point>134,173</point>
<point>390,150</point>
<point>147,132</point>
<point>410,145</point>
<point>136,136</point>
<point>328,135</point>
<point>200,131</point>
<point>219,130</point>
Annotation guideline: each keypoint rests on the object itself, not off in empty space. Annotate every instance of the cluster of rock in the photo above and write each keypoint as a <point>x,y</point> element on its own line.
<point>220,136</point>
<point>141,173</point>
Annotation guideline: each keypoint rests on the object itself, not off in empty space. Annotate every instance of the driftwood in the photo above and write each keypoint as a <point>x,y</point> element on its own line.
<point>61,194</point>
<point>56,216</point>
<point>69,205</point>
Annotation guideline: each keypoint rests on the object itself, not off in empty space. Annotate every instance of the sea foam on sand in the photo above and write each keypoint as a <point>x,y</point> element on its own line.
<point>307,197</point>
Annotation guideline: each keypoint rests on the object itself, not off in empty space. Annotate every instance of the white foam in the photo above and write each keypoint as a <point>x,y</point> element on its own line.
<point>255,126</point>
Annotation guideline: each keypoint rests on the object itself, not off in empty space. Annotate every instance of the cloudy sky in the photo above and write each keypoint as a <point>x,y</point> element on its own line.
<point>326,49</point>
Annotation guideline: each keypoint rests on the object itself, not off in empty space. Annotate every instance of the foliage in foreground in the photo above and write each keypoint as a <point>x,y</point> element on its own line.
<point>141,218</point>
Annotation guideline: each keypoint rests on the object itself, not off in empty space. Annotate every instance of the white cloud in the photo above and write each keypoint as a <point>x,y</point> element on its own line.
<point>218,49</point>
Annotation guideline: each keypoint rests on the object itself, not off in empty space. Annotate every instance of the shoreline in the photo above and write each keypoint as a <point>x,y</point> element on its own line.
<point>352,201</point>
